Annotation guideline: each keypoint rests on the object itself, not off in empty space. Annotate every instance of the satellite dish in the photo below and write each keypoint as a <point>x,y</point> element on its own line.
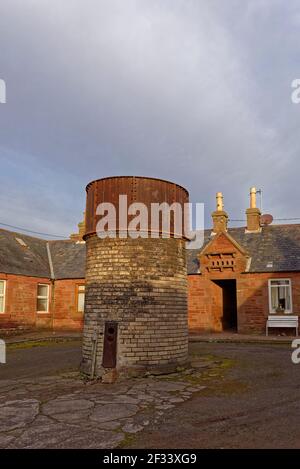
<point>266,219</point>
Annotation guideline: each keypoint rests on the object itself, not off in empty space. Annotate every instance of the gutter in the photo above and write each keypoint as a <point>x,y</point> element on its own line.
<point>52,283</point>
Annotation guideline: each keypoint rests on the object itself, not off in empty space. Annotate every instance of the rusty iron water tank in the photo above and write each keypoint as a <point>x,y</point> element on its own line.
<point>135,317</point>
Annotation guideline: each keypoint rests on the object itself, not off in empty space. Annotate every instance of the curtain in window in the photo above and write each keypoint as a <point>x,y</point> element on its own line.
<point>274,297</point>
<point>280,295</point>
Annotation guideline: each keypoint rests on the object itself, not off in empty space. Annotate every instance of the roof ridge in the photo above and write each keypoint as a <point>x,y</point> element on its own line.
<point>22,234</point>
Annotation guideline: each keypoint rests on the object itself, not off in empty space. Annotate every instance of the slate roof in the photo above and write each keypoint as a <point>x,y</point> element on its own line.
<point>68,258</point>
<point>275,249</point>
<point>29,259</point>
<point>26,255</point>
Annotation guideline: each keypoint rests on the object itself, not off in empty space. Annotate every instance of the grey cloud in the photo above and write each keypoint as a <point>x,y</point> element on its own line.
<point>193,91</point>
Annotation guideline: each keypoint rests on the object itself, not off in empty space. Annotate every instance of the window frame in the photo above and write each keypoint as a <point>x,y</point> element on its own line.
<point>290,311</point>
<point>43,297</point>
<point>3,296</point>
<point>77,297</point>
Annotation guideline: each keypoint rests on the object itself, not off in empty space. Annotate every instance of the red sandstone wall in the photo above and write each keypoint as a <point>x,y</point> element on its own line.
<point>65,305</point>
<point>203,301</point>
<point>199,304</point>
<point>252,301</point>
<point>21,304</point>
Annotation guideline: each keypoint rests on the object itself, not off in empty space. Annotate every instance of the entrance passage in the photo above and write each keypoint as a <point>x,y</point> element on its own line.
<point>228,304</point>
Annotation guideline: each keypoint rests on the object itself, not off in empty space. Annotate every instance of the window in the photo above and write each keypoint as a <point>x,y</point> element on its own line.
<point>43,298</point>
<point>280,298</point>
<point>80,298</point>
<point>2,295</point>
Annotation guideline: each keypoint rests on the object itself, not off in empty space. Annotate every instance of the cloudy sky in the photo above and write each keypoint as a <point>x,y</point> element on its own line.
<point>194,91</point>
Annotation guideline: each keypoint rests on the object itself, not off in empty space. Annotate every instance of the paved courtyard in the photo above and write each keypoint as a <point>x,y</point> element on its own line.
<point>233,395</point>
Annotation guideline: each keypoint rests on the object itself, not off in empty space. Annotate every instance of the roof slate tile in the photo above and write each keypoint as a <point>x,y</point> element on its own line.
<point>276,244</point>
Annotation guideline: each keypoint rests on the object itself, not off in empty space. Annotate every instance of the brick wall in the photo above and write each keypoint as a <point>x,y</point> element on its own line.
<point>252,301</point>
<point>141,284</point>
<point>21,304</point>
<point>66,315</point>
<point>199,304</point>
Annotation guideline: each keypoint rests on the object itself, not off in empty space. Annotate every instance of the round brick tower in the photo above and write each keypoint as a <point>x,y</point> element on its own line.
<point>136,289</point>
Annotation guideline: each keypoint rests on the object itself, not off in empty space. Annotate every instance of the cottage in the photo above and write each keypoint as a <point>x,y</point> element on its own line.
<point>41,282</point>
<point>241,276</point>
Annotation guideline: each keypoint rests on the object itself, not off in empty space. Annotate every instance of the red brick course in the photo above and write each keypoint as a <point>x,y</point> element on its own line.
<point>21,304</point>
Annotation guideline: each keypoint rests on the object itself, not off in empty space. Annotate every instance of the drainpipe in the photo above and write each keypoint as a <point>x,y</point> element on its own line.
<point>52,278</point>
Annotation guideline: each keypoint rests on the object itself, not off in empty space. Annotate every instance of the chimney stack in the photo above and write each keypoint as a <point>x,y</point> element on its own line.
<point>253,214</point>
<point>219,216</point>
<point>81,227</point>
<point>81,231</point>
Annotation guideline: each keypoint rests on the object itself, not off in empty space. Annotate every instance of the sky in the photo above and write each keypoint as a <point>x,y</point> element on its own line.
<point>194,91</point>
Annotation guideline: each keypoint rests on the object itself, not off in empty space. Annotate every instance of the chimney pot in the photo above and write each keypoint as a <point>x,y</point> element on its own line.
<point>219,199</point>
<point>253,197</point>
<point>253,214</point>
